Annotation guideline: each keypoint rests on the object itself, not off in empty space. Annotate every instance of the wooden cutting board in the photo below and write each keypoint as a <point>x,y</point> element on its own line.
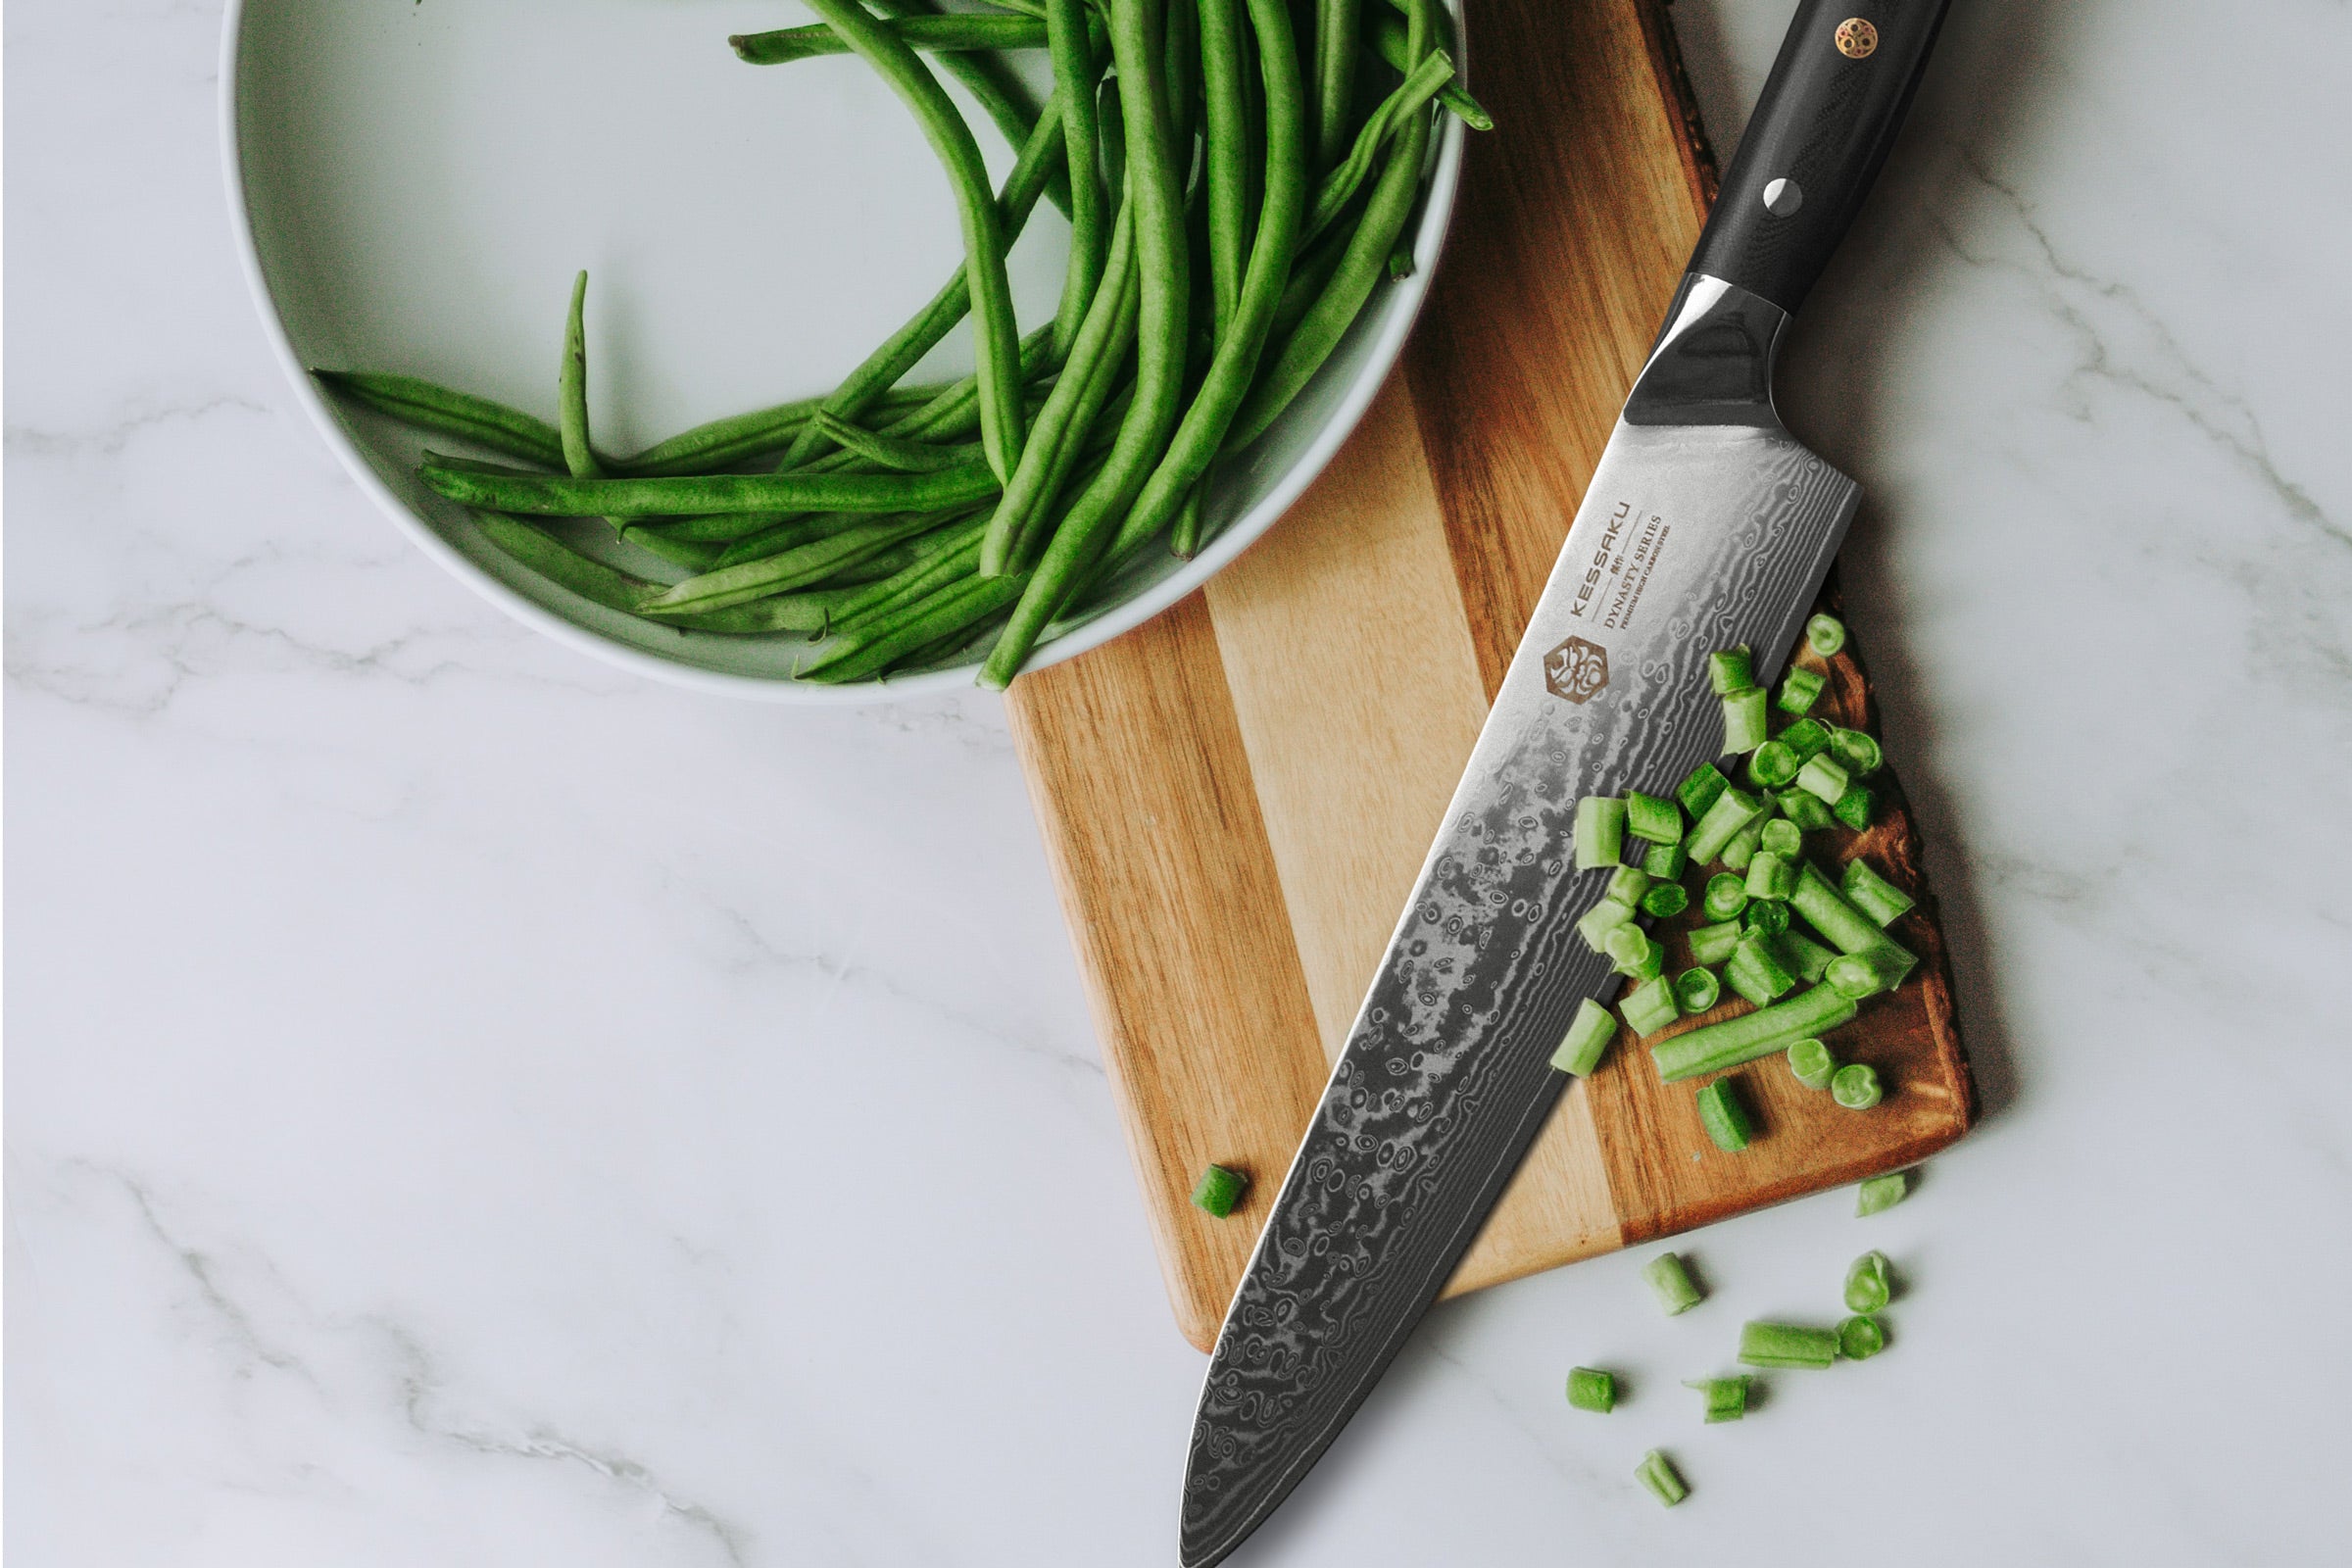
<point>1237,796</point>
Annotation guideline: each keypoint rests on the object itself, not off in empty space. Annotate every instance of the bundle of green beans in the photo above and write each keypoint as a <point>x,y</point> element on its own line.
<point>1235,193</point>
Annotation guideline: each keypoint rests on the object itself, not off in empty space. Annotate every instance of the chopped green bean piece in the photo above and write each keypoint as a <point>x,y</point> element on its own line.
<point>1811,1062</point>
<point>1653,818</point>
<point>1220,1191</point>
<point>1874,894</point>
<point>1800,689</point>
<point>1860,752</point>
<point>1808,957</point>
<point>1671,1283</point>
<point>1756,971</point>
<point>1665,900</point>
<point>1626,884</point>
<point>1697,990</point>
<point>1783,838</point>
<point>1786,1346</point>
<point>1657,1472</point>
<point>1731,670</point>
<point>1725,1117</point>
<point>1587,1037</point>
<point>1725,897</point>
<point>1825,635</point>
<point>1666,861</point>
<point>1590,1388</point>
<point>1868,1284</point>
<point>1650,1006</point>
<point>1804,808</point>
<point>1856,1086</point>
<point>1765,917</point>
<point>1600,920</point>
<point>1743,845</point>
<point>1848,929</point>
<point>1772,764</point>
<point>1700,789</point>
<point>1599,831</point>
<point>1733,811</point>
<point>1824,778</point>
<point>1869,972</point>
<point>1745,720</point>
<point>1726,1397</point>
<point>1770,877</point>
<point>1809,738</point>
<point>1716,1047</point>
<point>1630,948</point>
<point>1854,807</point>
<point>1881,1193</point>
<point>1712,943</point>
<point>1861,1337</point>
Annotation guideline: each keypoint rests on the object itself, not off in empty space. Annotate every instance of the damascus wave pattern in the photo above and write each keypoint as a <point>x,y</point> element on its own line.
<point>1689,539</point>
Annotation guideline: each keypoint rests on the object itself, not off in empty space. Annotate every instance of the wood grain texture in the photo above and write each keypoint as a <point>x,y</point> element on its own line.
<point>1160,856</point>
<point>1237,797</point>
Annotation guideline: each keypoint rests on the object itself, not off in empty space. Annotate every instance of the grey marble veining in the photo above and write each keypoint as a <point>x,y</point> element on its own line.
<point>469,1105</point>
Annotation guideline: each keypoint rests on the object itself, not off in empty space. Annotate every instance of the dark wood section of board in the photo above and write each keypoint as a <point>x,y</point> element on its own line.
<point>1556,257</point>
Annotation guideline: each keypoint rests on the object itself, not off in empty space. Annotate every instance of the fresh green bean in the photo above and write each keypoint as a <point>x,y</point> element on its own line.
<point>1206,423</point>
<point>995,86</point>
<point>1143,62</point>
<point>958,554</point>
<point>893,452</point>
<point>1184,539</point>
<point>1021,524</point>
<point>794,528</point>
<point>932,34</point>
<point>568,568</point>
<point>1342,299</point>
<point>1076,70</point>
<point>571,417</point>
<point>1338,34</point>
<point>995,339</point>
<point>741,437</point>
<point>691,554</point>
<point>811,563</point>
<point>572,389</point>
<point>428,406</point>
<point>1388,40</point>
<point>947,612</point>
<point>819,609</point>
<point>1225,160</point>
<point>804,613</point>
<point>1341,184</point>
<point>548,496</point>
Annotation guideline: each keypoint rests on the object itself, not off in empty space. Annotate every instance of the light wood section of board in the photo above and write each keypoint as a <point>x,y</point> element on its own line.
<point>1352,758</point>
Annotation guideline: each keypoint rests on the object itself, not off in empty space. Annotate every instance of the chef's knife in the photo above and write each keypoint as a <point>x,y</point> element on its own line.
<point>1706,524</point>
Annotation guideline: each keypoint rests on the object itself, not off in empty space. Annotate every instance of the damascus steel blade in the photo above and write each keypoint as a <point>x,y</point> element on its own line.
<point>1692,536</point>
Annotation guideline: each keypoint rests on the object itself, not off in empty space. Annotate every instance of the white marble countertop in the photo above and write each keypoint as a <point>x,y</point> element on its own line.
<point>469,1105</point>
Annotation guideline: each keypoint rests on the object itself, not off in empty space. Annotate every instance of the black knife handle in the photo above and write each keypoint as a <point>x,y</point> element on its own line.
<point>1829,111</point>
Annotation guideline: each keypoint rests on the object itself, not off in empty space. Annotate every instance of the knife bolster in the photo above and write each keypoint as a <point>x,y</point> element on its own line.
<point>1713,361</point>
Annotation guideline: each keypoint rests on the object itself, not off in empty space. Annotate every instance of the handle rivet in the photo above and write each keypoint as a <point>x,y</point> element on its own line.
<point>1782,197</point>
<point>1856,38</point>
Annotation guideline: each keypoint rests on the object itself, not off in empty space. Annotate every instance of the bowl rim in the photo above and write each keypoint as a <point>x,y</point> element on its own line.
<point>1405,299</point>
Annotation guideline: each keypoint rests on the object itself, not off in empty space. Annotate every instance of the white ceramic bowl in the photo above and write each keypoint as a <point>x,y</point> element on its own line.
<point>416,184</point>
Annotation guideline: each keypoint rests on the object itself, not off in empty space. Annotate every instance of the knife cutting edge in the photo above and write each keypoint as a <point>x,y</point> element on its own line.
<point>1706,524</point>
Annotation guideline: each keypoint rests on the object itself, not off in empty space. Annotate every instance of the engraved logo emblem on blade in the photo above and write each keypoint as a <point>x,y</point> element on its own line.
<point>1577,670</point>
<point>1856,38</point>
